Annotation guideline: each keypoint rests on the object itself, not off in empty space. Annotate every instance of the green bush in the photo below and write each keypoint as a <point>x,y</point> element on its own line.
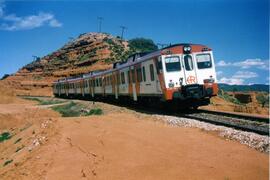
<point>141,45</point>
<point>263,99</point>
<point>68,110</point>
<point>7,162</point>
<point>228,98</point>
<point>94,112</point>
<point>74,110</point>
<point>44,102</point>
<point>5,136</point>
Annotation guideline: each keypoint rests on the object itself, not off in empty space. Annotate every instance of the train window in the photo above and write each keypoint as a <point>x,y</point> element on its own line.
<point>139,74</point>
<point>151,67</point>
<point>122,77</point>
<point>118,78</point>
<point>110,79</point>
<point>129,81</point>
<point>172,64</point>
<point>204,61</point>
<point>100,81</point>
<point>188,62</point>
<point>144,77</point>
<point>133,75</point>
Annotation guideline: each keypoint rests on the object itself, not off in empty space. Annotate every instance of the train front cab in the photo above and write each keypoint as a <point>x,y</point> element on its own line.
<point>189,75</point>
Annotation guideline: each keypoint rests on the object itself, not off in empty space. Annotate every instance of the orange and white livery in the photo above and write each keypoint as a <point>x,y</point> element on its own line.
<point>182,73</point>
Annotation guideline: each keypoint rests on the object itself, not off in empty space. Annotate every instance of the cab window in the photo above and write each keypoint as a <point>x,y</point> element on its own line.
<point>204,61</point>
<point>172,64</point>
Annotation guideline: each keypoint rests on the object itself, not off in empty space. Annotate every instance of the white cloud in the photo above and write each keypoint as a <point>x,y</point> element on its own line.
<point>248,63</point>
<point>238,78</point>
<point>55,23</point>
<point>222,64</point>
<point>231,81</point>
<point>245,75</point>
<point>13,22</point>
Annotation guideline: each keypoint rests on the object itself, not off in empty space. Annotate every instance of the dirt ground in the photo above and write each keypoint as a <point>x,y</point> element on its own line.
<point>116,145</point>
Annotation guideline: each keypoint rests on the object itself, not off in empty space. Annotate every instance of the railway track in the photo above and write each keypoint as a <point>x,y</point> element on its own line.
<point>254,124</point>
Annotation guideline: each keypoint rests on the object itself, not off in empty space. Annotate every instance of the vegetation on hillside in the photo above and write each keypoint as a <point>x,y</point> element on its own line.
<point>244,88</point>
<point>263,99</point>
<point>224,95</point>
<point>73,109</point>
<point>44,101</point>
<point>5,136</point>
<point>142,45</point>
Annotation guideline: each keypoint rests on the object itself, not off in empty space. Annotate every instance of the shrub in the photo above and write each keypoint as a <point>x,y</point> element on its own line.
<point>7,162</point>
<point>94,112</point>
<point>68,110</point>
<point>5,136</point>
<point>263,99</point>
<point>141,45</point>
<point>18,140</point>
<point>229,98</point>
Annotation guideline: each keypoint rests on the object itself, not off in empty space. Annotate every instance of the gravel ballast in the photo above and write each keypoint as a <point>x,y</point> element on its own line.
<point>256,141</point>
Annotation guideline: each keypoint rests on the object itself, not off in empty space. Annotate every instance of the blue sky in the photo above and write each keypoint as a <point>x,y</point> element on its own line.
<point>236,30</point>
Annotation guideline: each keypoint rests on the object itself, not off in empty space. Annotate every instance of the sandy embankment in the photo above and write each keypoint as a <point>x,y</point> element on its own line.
<point>118,145</point>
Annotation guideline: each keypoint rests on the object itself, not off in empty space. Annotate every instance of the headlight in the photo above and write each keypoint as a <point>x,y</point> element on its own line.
<point>171,84</point>
<point>186,49</point>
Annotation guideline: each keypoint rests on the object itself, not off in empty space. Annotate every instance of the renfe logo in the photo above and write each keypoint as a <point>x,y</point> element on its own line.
<point>191,79</point>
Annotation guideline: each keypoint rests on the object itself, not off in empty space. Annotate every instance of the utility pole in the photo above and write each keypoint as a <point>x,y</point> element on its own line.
<point>100,19</point>
<point>123,29</point>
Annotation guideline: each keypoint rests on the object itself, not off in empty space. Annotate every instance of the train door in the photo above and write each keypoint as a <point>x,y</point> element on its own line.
<point>158,65</point>
<point>133,82</point>
<point>189,70</point>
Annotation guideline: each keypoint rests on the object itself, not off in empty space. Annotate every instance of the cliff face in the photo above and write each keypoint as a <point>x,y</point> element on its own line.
<point>88,52</point>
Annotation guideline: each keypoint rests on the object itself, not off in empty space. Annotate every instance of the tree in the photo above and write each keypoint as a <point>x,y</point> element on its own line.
<point>263,99</point>
<point>142,45</point>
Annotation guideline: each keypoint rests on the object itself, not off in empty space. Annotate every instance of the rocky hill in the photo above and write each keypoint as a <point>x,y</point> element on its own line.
<point>88,52</point>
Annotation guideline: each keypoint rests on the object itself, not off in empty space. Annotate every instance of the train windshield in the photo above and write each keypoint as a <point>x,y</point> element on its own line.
<point>172,64</point>
<point>204,61</point>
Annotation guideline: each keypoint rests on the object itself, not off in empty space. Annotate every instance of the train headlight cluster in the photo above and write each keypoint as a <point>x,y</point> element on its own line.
<point>210,80</point>
<point>187,49</point>
<point>171,84</point>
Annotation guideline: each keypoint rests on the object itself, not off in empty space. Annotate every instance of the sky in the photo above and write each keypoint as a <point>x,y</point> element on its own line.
<point>236,30</point>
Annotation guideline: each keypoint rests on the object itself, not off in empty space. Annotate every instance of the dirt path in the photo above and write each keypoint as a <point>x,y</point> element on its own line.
<point>125,146</point>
